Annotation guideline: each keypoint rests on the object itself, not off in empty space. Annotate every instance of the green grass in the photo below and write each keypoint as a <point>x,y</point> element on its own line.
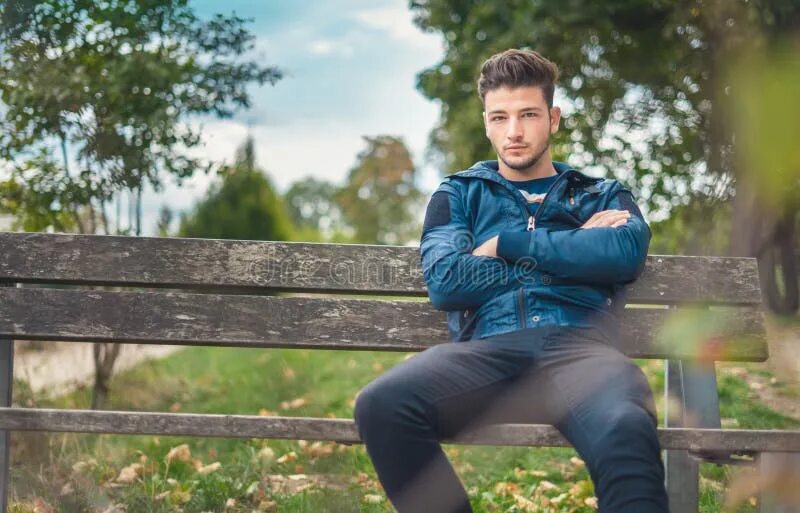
<point>77,473</point>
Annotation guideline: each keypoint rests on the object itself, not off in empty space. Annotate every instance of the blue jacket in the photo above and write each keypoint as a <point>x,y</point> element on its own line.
<point>550,271</point>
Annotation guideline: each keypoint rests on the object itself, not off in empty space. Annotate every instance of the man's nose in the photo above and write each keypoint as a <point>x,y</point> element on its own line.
<point>514,129</point>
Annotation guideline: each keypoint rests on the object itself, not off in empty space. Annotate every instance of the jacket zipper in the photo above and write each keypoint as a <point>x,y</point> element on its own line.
<point>532,226</point>
<point>532,219</point>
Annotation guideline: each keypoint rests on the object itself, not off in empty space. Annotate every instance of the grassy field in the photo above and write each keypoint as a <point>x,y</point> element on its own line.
<point>108,474</point>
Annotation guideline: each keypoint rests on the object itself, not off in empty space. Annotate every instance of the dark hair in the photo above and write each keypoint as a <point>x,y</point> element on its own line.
<point>518,68</point>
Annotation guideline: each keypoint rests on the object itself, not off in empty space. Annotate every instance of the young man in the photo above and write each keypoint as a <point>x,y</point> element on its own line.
<point>529,257</point>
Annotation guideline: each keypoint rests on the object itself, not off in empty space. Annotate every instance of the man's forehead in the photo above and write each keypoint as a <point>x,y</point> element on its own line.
<point>517,98</point>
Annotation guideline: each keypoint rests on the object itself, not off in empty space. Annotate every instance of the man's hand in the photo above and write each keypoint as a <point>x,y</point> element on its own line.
<point>607,218</point>
<point>487,249</point>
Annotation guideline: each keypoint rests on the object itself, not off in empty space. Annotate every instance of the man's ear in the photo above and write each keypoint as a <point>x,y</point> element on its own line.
<point>485,124</point>
<point>555,119</point>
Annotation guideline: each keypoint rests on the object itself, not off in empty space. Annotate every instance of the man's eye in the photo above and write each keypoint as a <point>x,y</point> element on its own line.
<point>497,118</point>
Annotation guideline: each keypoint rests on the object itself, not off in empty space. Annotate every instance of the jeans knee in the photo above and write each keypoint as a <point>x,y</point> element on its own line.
<point>629,432</point>
<point>630,423</point>
<point>366,405</point>
<point>382,404</point>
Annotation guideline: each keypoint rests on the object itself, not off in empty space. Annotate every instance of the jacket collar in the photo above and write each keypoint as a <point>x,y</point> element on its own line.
<point>488,170</point>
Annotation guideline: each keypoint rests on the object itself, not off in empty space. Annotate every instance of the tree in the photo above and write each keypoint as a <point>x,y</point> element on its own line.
<point>243,205</point>
<point>165,216</point>
<point>380,200</point>
<point>109,84</point>
<point>313,210</point>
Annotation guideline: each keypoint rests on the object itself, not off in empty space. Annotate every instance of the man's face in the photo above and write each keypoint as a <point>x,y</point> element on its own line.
<point>519,124</point>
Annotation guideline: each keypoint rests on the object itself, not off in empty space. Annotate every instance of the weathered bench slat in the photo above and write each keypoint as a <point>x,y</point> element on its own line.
<point>247,265</point>
<point>342,430</point>
<point>325,323</point>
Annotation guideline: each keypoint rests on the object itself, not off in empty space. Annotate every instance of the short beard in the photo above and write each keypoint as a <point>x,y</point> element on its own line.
<point>531,162</point>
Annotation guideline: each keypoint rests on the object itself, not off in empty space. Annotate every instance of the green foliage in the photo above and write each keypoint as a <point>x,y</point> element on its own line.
<point>312,207</point>
<point>380,200</point>
<point>701,227</point>
<point>643,82</point>
<point>243,205</point>
<point>109,84</point>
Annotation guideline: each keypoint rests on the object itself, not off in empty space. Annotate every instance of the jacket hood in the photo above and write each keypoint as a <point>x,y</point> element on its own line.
<point>490,169</point>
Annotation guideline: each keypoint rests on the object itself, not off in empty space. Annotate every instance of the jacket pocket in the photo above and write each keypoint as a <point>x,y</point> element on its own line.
<point>498,315</point>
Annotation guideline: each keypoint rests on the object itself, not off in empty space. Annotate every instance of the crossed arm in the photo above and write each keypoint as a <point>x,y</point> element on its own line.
<point>611,247</point>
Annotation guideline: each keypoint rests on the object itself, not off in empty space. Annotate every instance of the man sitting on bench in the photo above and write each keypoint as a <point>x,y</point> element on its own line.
<point>530,259</point>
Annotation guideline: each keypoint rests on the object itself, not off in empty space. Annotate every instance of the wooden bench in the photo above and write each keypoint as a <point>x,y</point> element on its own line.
<point>201,292</point>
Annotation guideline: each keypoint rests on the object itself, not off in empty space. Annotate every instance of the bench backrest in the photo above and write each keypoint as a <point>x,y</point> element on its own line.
<point>214,292</point>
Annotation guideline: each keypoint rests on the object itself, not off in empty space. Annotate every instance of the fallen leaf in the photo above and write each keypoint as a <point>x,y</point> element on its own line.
<point>547,485</point>
<point>289,456</point>
<point>130,473</point>
<point>319,449</point>
<point>525,504</point>
<point>506,488</point>
<point>175,407</point>
<point>577,462</point>
<point>294,403</point>
<point>371,498</point>
<point>263,412</point>
<point>266,454</point>
<point>208,469</point>
<point>230,503</point>
<point>288,374</point>
<point>267,505</point>
<point>591,502</point>
<point>180,453</point>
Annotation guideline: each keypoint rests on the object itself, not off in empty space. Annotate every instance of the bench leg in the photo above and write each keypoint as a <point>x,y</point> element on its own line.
<point>682,472</point>
<point>6,380</point>
<point>683,482</point>
<point>779,477</point>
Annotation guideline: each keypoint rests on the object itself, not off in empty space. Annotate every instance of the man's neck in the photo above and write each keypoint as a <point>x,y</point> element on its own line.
<point>542,169</point>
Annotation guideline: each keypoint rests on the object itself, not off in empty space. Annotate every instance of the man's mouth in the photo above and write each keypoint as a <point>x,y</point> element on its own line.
<point>516,147</point>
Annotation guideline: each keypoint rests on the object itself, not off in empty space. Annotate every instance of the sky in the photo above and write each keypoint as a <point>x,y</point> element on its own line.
<point>351,69</point>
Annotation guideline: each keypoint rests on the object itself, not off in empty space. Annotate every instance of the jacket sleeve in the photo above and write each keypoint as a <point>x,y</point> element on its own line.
<point>596,255</point>
<point>457,279</point>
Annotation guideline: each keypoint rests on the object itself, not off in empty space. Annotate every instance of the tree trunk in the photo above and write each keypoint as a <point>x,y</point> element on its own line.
<point>778,267</point>
<point>104,217</point>
<point>105,354</point>
<point>139,210</point>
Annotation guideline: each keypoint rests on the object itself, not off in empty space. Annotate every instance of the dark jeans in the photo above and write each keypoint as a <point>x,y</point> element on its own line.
<point>568,377</point>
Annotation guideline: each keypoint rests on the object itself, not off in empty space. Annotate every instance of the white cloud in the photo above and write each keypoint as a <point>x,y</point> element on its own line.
<point>397,22</point>
<point>330,46</point>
